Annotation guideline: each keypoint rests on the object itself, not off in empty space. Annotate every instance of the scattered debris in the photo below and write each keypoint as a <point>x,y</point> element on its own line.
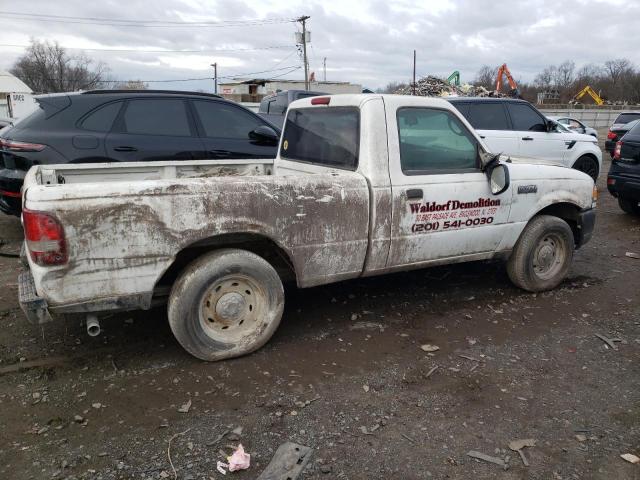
<point>175,474</point>
<point>581,438</point>
<point>469,358</point>
<point>185,408</point>
<point>431,86</point>
<point>239,459</point>
<point>287,463</point>
<point>488,458</point>
<point>409,438</point>
<point>630,457</point>
<point>429,348</point>
<point>632,255</point>
<point>367,326</point>
<point>41,362</point>
<point>220,466</point>
<point>609,341</point>
<point>430,372</point>
<point>519,445</point>
<point>365,388</point>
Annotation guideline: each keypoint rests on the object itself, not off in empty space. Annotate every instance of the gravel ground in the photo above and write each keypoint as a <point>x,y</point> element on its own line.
<point>345,375</point>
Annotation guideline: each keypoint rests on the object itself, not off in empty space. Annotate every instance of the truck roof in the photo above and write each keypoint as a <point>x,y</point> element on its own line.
<point>357,99</point>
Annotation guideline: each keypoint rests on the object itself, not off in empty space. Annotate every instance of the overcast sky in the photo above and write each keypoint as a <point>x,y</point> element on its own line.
<point>366,42</point>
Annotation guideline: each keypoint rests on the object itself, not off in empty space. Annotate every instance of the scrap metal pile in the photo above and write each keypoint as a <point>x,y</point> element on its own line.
<point>431,86</point>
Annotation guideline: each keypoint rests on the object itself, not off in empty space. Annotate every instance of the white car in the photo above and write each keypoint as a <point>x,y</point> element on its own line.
<point>516,128</point>
<point>576,125</point>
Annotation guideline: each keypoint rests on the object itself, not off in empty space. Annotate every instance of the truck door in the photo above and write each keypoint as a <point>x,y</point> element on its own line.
<point>442,203</point>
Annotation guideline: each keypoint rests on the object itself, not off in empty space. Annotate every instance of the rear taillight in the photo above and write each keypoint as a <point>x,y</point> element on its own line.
<point>14,146</point>
<point>611,181</point>
<point>45,238</point>
<point>616,152</point>
<point>611,135</point>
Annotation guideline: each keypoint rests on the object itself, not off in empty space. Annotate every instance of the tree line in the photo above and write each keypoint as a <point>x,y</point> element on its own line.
<point>49,68</point>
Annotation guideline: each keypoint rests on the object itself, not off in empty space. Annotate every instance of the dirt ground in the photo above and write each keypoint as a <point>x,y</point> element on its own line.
<point>345,375</point>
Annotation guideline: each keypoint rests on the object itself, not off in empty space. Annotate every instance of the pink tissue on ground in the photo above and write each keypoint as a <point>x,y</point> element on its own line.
<point>239,460</point>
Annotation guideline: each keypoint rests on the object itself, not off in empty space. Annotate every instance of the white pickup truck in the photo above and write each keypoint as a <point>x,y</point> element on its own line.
<point>363,185</point>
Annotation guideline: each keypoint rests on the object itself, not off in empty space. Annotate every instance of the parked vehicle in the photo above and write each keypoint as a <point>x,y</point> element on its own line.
<point>362,185</point>
<point>623,180</point>
<point>616,132</point>
<point>515,127</point>
<point>274,107</point>
<point>128,126</point>
<point>576,125</point>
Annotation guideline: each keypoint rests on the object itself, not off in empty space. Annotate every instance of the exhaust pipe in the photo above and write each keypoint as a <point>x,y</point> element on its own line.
<point>93,326</point>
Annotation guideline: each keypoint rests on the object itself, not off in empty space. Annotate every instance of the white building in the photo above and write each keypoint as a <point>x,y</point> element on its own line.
<point>253,90</point>
<point>15,96</point>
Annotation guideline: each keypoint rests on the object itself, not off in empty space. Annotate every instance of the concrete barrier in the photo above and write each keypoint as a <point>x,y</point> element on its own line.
<point>593,117</point>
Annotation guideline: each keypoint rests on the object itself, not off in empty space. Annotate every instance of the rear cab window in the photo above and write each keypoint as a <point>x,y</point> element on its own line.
<point>324,136</point>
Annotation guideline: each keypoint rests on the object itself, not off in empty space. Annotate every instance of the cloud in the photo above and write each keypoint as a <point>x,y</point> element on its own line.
<point>368,42</point>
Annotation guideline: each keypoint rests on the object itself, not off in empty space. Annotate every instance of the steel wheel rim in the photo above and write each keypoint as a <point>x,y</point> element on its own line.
<point>230,309</point>
<point>549,256</point>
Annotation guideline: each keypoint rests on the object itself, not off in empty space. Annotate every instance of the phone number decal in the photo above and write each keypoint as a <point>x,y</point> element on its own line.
<point>450,224</point>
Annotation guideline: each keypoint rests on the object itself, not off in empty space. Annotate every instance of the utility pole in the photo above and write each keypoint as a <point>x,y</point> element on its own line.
<point>303,20</point>
<point>324,69</point>
<point>215,77</point>
<point>413,85</point>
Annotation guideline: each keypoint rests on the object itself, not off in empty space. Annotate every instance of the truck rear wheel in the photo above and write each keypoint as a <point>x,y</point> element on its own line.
<point>629,206</point>
<point>225,304</point>
<point>542,256</point>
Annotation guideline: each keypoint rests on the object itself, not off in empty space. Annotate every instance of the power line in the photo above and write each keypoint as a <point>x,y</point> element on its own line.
<point>110,50</point>
<point>143,24</point>
<point>290,69</point>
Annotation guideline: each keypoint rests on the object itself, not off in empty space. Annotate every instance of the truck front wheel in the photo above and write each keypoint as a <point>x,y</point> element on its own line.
<point>542,256</point>
<point>225,304</point>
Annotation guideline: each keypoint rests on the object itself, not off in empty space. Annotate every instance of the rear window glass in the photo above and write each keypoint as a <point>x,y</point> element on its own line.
<point>487,116</point>
<point>102,119</point>
<point>627,117</point>
<point>326,136</point>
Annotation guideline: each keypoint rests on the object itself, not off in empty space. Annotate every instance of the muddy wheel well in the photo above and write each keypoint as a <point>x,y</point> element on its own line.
<point>567,212</point>
<point>258,244</point>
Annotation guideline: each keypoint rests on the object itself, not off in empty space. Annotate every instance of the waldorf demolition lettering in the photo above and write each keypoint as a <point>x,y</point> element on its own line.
<point>451,205</point>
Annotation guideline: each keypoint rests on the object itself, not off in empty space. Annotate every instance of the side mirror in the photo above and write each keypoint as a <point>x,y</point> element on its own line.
<point>550,126</point>
<point>264,134</point>
<point>498,174</point>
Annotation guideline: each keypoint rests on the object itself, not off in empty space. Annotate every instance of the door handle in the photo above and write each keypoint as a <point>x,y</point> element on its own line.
<point>414,193</point>
<point>220,153</point>
<point>482,136</point>
<point>125,148</point>
<point>527,138</point>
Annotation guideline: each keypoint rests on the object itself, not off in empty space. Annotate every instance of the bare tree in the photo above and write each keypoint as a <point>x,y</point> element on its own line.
<point>545,80</point>
<point>48,68</point>
<point>617,68</point>
<point>564,75</point>
<point>486,77</point>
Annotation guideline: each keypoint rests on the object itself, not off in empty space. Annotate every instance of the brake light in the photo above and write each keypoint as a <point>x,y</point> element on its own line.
<point>320,100</point>
<point>7,193</point>
<point>45,238</point>
<point>611,181</point>
<point>616,152</point>
<point>14,146</point>
<point>611,135</point>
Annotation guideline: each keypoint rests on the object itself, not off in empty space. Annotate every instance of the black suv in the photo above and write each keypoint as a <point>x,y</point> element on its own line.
<point>623,180</point>
<point>129,126</point>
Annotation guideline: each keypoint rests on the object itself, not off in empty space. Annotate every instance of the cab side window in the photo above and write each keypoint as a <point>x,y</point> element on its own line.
<point>434,141</point>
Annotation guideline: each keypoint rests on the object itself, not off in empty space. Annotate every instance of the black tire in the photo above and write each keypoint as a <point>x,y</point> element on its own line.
<point>542,256</point>
<point>629,206</point>
<point>225,304</point>
<point>588,165</point>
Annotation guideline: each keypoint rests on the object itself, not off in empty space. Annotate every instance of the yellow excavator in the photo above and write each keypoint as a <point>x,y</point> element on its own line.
<point>592,93</point>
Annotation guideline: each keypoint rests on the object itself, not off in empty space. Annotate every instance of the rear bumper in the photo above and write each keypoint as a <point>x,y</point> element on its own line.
<point>624,180</point>
<point>34,307</point>
<point>586,224</point>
